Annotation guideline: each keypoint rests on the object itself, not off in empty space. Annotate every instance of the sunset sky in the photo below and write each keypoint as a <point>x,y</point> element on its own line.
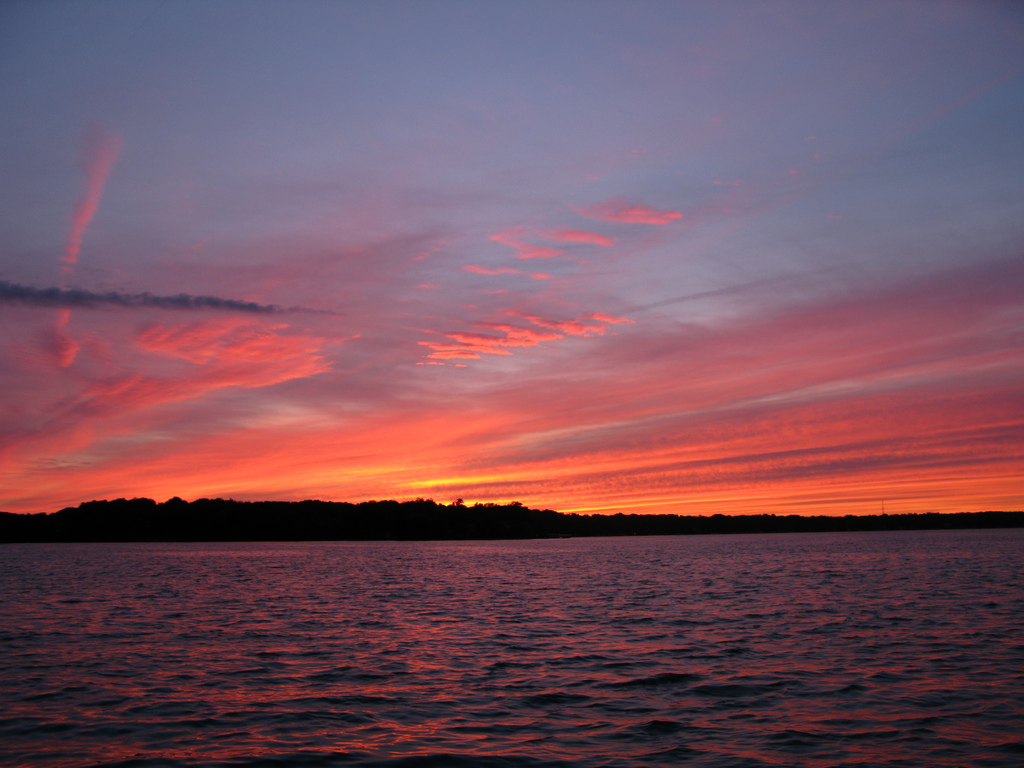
<point>593,256</point>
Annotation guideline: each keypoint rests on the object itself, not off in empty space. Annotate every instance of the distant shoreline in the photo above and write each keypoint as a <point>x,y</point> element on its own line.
<point>175,520</point>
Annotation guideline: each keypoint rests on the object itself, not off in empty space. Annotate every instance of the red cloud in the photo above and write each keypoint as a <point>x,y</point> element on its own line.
<point>620,210</point>
<point>580,236</point>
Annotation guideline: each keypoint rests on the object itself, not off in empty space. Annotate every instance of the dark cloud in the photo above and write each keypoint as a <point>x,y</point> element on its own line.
<point>75,298</point>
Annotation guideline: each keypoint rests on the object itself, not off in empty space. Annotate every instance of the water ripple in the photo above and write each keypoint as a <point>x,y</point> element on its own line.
<point>880,649</point>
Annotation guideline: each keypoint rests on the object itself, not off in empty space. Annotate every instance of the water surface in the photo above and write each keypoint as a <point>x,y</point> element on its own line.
<point>853,649</point>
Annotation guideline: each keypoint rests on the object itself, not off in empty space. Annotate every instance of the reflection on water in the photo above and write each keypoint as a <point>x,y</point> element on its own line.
<point>888,648</point>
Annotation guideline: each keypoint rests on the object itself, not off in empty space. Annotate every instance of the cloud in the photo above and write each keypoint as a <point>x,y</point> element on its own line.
<point>847,395</point>
<point>828,405</point>
<point>77,298</point>
<point>472,345</point>
<point>236,342</point>
<point>525,250</point>
<point>514,336</point>
<point>580,236</point>
<point>166,363</point>
<point>587,324</point>
<point>620,210</point>
<point>64,347</point>
<point>504,271</point>
<point>100,151</point>
<point>457,351</point>
<point>606,318</point>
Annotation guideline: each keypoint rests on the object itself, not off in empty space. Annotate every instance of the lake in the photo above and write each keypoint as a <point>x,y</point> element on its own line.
<point>852,649</point>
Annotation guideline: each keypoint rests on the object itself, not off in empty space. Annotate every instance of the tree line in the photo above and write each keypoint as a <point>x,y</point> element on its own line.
<point>419,520</point>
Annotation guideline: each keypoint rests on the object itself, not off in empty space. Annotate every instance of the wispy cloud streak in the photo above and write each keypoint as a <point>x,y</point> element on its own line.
<point>100,151</point>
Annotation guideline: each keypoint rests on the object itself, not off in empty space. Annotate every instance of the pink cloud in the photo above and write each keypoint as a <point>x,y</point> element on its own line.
<point>116,397</point>
<point>587,324</point>
<point>605,318</point>
<point>538,252</point>
<point>620,210</point>
<point>100,151</point>
<point>580,236</point>
<point>495,271</point>
<point>525,250</point>
<point>236,351</point>
<point>472,345</point>
<point>477,340</point>
<point>456,351</point>
<point>65,347</point>
<point>504,271</point>
<point>221,340</point>
<point>516,336</point>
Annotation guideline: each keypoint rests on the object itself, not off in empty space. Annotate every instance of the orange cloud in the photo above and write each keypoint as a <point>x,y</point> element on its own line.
<point>100,151</point>
<point>620,210</point>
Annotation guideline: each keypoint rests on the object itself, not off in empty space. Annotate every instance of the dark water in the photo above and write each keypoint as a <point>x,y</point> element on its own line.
<point>871,649</point>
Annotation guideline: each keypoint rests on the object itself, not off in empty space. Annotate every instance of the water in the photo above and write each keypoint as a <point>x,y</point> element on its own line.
<point>867,649</point>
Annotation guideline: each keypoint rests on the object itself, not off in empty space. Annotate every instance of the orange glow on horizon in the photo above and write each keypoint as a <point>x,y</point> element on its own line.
<point>713,466</point>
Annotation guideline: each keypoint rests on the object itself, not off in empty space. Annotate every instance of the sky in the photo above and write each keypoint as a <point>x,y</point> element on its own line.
<point>598,257</point>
